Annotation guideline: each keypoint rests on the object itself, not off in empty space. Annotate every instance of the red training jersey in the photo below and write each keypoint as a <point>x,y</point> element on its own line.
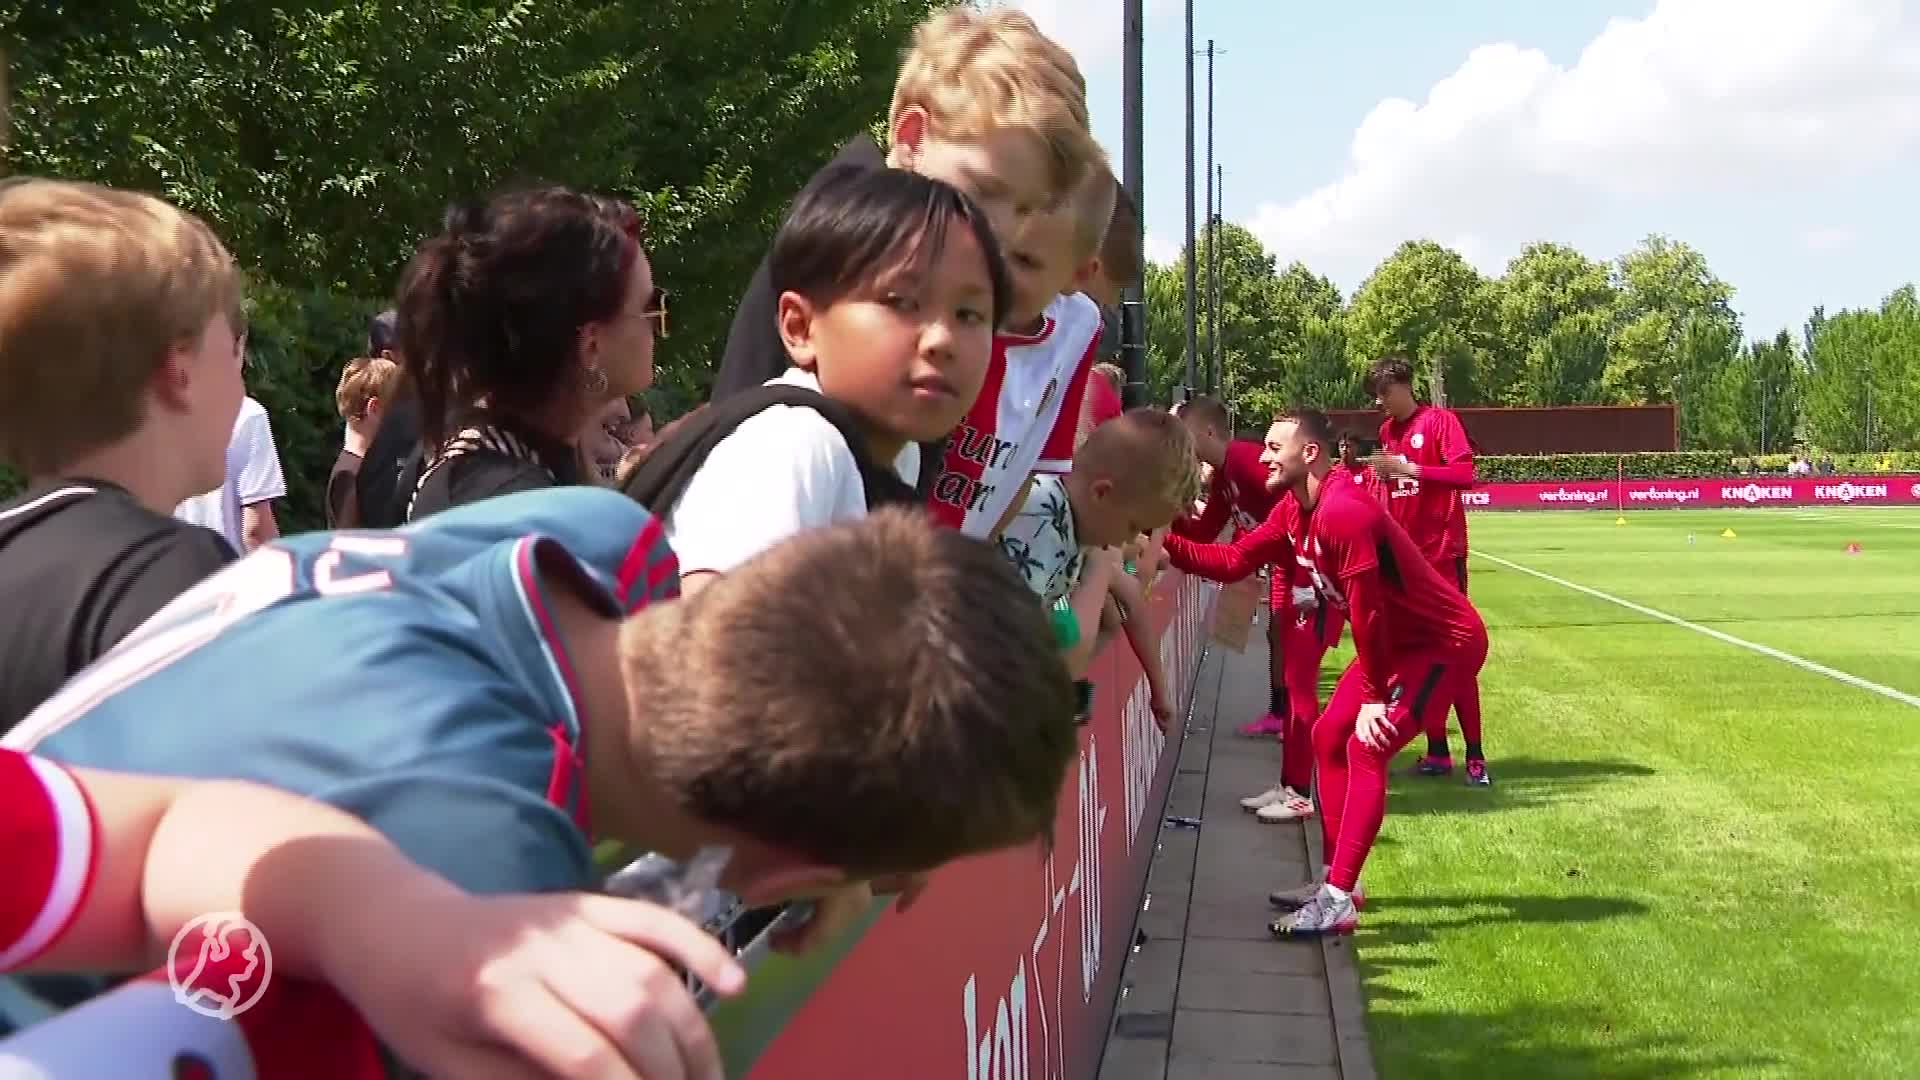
<point>1238,494</point>
<point>1428,506</point>
<point>1362,562</point>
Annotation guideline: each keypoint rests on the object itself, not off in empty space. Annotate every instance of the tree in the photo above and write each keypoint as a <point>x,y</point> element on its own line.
<point>1664,286</point>
<point>1861,374</point>
<point>1424,302</point>
<point>322,141</point>
<point>1552,318</point>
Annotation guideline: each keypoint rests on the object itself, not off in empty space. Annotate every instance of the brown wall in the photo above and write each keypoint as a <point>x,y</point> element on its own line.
<point>1572,429</point>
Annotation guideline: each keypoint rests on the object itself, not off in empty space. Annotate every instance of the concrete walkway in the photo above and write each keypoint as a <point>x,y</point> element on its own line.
<point>1207,993</point>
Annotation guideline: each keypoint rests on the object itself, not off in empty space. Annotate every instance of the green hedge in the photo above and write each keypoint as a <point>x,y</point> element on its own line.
<point>1603,466</point>
<point>1549,467</point>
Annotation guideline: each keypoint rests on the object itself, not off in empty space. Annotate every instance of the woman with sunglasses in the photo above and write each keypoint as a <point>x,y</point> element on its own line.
<point>518,325</point>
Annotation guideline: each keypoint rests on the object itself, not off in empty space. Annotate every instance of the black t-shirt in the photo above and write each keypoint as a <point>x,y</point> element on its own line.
<point>386,478</point>
<point>342,503</point>
<point>81,566</point>
<point>755,352</point>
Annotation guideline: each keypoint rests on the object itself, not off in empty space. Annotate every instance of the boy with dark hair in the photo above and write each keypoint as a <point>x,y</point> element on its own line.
<point>1424,463</point>
<point>119,351</point>
<point>983,101</point>
<point>505,686</point>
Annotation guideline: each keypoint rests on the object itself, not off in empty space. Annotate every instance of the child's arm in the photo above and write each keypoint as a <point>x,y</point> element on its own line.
<point>455,983</point>
<point>1133,600</point>
<point>1087,600</point>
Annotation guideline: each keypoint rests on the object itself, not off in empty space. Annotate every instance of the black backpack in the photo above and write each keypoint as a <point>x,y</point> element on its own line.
<point>659,480</point>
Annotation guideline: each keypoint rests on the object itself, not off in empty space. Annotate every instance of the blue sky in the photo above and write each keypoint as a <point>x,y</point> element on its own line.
<point>1780,137</point>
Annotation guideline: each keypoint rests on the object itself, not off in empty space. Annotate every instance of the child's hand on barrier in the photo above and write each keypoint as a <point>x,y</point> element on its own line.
<point>515,986</point>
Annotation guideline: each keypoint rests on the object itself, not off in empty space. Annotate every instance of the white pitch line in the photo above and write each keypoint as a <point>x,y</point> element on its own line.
<point>1751,646</point>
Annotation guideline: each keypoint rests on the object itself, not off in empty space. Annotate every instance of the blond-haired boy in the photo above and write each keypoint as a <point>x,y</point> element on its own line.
<point>120,354</point>
<point>366,386</point>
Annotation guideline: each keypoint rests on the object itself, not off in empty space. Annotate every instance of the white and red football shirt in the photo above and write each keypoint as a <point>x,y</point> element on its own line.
<point>50,848</point>
<point>1024,419</point>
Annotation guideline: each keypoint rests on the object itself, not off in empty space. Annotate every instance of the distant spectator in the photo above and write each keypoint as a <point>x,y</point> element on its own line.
<point>1798,466</point>
<point>241,508</point>
<point>603,449</point>
<point>1827,467</point>
<point>365,388</point>
<point>120,358</point>
<point>519,324</point>
<point>637,432</point>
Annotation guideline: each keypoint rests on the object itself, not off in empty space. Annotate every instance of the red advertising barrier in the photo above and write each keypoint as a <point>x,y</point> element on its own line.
<point>1722,491</point>
<point>1009,965</point>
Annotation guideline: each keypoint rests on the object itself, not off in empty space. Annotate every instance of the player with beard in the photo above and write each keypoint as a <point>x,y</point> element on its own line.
<point>1425,462</point>
<point>1415,640</point>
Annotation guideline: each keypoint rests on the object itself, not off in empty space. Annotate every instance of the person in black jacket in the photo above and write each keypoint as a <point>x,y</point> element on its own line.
<point>120,353</point>
<point>518,325</point>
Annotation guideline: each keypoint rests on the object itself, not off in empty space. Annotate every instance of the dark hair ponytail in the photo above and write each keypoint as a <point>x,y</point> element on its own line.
<point>490,310</point>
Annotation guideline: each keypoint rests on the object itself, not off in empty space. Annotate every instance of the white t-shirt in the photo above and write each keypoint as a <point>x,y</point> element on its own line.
<point>782,471</point>
<point>253,477</point>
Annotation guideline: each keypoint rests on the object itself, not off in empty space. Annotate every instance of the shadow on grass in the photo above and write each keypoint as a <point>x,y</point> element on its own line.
<point>1395,924</point>
<point>1533,1042</point>
<point>1517,783</point>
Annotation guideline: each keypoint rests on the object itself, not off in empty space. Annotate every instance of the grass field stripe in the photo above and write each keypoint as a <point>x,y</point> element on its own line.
<point>1751,646</point>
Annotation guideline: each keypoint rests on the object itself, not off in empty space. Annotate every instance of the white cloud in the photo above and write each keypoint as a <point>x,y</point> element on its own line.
<point>1700,96</point>
<point>1161,249</point>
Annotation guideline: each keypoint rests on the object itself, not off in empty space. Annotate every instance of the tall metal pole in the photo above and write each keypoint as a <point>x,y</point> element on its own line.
<point>1207,373</point>
<point>1133,171</point>
<point>1210,373</point>
<point>1219,281</point>
<point>1193,337</point>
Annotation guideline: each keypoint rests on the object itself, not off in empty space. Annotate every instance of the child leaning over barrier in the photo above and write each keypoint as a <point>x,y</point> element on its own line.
<point>1130,478</point>
<point>505,684</point>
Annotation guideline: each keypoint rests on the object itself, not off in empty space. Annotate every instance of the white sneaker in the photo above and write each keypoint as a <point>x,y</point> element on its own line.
<point>1274,794</point>
<point>1327,913</point>
<point>1291,806</point>
<point>1295,898</point>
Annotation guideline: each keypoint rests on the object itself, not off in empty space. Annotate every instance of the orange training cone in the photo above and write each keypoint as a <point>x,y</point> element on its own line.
<point>1853,548</point>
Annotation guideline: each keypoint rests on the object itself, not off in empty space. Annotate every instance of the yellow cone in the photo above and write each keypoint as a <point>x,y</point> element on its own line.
<point>1620,521</point>
<point>1728,534</point>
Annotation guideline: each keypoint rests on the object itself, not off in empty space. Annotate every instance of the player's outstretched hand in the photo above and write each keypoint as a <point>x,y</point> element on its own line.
<point>537,986</point>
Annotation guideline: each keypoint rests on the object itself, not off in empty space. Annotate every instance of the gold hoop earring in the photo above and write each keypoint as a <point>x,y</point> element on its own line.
<point>595,382</point>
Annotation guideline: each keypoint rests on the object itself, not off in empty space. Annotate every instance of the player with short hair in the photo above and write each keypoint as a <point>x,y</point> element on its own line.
<point>1424,463</point>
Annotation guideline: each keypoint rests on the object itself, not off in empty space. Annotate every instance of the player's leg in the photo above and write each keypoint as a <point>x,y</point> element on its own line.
<point>1274,723</point>
<point>1438,760</point>
<point>1302,651</point>
<point>1330,736</point>
<point>1466,705</point>
<point>1420,687</point>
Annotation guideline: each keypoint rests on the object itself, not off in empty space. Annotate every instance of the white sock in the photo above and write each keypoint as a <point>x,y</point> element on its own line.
<point>1336,893</point>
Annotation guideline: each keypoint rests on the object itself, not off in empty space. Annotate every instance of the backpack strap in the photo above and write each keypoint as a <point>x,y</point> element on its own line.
<point>476,440</point>
<point>659,481</point>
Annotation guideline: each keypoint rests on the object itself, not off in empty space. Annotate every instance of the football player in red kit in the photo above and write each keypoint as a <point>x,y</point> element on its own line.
<point>1238,494</point>
<point>1425,462</point>
<point>1415,640</point>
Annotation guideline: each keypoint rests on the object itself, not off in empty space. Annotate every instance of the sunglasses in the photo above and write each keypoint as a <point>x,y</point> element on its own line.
<point>656,310</point>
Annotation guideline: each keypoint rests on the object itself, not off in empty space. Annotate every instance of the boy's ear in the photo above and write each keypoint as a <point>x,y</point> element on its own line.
<point>793,880</point>
<point>910,130</point>
<point>1087,273</point>
<point>794,317</point>
<point>1102,488</point>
